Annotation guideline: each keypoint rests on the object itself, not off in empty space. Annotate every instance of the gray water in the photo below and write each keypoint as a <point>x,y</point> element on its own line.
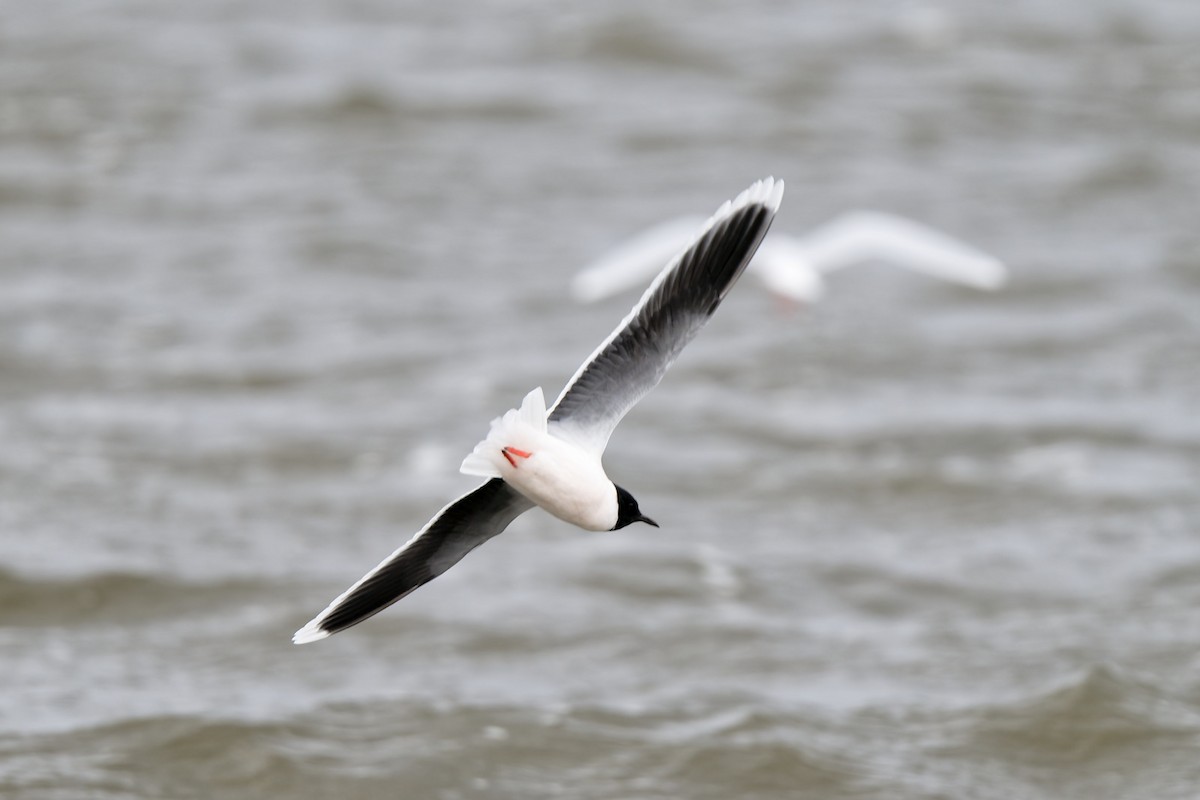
<point>268,268</point>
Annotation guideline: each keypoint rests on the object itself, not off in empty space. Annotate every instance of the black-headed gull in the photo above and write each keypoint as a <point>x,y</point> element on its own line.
<point>793,266</point>
<point>552,459</point>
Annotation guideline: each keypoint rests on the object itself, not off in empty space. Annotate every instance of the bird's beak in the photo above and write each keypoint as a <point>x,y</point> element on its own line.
<point>647,520</point>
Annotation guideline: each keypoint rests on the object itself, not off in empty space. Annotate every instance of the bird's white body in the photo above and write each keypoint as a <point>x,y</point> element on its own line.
<point>560,476</point>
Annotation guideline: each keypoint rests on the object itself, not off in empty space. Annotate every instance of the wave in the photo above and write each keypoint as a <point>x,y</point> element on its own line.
<point>1100,732</point>
<point>27,601</point>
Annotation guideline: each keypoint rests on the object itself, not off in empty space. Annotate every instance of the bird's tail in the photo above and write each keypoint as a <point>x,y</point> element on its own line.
<point>516,425</point>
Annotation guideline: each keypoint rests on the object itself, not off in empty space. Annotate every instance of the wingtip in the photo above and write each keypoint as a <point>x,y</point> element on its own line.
<point>312,632</point>
<point>774,193</point>
<point>768,192</point>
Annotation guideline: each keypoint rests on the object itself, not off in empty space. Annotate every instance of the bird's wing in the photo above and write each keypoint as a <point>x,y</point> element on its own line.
<point>456,530</point>
<point>875,236</point>
<point>633,359</point>
<point>634,261</point>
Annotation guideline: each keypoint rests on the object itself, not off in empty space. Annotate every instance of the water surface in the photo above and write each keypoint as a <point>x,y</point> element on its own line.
<point>268,269</point>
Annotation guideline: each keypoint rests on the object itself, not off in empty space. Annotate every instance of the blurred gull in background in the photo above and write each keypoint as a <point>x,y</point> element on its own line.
<point>793,267</point>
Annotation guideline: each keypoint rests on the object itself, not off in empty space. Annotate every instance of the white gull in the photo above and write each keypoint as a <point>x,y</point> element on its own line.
<point>553,459</point>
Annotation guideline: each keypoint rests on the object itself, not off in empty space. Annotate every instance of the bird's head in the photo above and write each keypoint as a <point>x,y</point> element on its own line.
<point>628,511</point>
<point>794,280</point>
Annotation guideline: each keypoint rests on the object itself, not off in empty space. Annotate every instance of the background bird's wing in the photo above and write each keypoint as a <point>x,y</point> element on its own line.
<point>456,530</point>
<point>633,359</point>
<point>875,236</point>
<point>634,261</point>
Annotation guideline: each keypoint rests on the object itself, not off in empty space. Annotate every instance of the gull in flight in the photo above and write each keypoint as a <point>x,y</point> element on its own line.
<point>551,459</point>
<point>793,267</point>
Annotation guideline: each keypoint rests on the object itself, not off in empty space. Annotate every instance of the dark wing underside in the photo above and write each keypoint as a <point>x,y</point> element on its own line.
<point>457,529</point>
<point>637,354</point>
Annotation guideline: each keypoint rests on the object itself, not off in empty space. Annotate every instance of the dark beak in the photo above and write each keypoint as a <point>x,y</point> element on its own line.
<point>647,520</point>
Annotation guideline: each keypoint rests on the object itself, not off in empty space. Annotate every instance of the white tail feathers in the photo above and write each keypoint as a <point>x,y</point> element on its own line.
<point>478,462</point>
<point>532,411</point>
<point>514,428</point>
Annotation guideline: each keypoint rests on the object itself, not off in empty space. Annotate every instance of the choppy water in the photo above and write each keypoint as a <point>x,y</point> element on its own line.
<point>267,269</point>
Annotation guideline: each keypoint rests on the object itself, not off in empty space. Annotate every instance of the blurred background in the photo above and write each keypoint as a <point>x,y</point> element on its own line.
<point>268,268</point>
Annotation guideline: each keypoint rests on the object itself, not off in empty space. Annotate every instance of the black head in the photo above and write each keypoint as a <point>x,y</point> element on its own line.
<point>628,511</point>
